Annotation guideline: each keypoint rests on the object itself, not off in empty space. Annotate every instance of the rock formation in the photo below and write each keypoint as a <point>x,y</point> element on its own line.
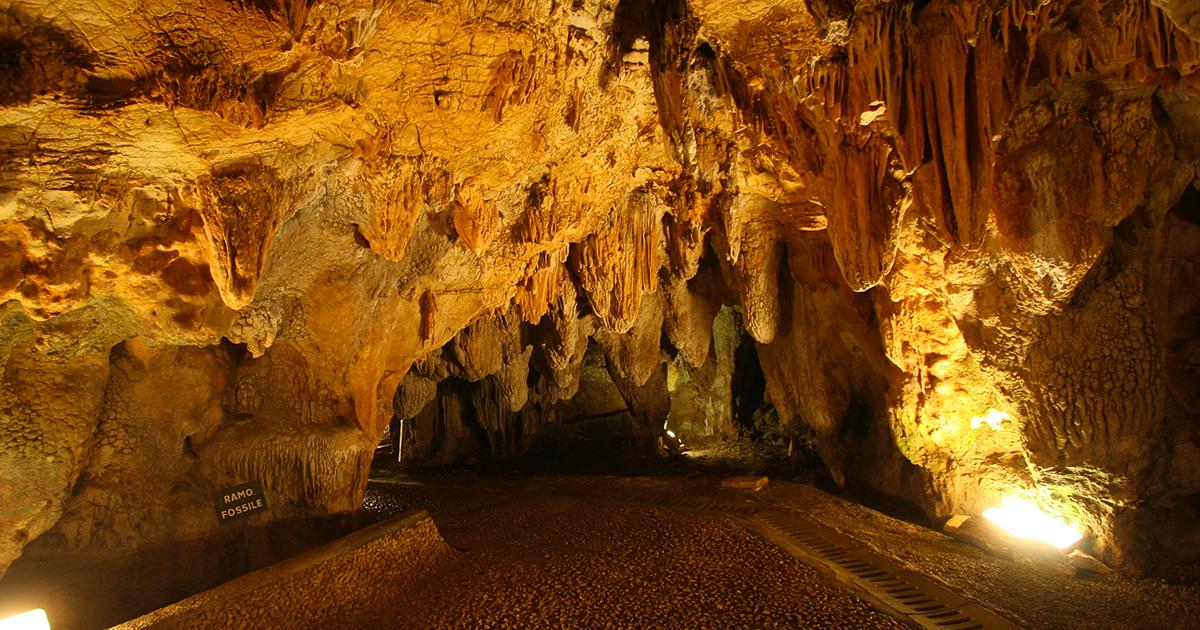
<point>238,236</point>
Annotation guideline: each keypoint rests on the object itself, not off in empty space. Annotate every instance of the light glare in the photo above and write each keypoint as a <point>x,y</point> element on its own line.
<point>1024,519</point>
<point>29,620</point>
<point>992,418</point>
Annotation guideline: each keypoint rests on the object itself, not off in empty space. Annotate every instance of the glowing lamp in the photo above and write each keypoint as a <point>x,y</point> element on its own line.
<point>1022,518</point>
<point>29,620</point>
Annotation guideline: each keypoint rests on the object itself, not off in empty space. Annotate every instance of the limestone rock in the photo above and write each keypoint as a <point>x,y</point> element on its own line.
<point>236,238</point>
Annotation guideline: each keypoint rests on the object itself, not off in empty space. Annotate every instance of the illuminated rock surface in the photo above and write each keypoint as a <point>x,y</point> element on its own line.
<point>237,237</point>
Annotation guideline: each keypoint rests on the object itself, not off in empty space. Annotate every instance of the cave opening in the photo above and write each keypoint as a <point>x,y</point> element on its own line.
<point>713,417</point>
<point>749,388</point>
<point>1188,206</point>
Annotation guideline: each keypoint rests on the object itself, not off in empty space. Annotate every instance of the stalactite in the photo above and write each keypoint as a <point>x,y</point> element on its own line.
<point>476,220</point>
<point>243,205</point>
<point>565,343</point>
<point>948,84</point>
<point>429,310</point>
<point>412,395</point>
<point>636,353</point>
<point>685,246</point>
<point>537,291</point>
<point>564,317</point>
<point>757,272</point>
<point>399,189</point>
<point>689,322</point>
<point>549,206</point>
<point>512,381</point>
<point>616,265</point>
<point>478,349</point>
<point>514,78</point>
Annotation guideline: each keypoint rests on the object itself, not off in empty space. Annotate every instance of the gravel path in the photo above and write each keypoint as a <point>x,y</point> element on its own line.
<point>1031,594</point>
<point>534,561</point>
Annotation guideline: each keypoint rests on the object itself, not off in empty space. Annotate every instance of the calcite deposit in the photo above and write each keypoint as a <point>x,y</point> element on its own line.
<point>238,237</point>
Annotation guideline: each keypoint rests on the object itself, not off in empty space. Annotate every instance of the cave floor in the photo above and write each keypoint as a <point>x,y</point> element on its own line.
<point>679,551</point>
<point>533,559</point>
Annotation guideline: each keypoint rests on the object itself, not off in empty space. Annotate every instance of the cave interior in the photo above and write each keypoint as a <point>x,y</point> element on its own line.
<point>927,256</point>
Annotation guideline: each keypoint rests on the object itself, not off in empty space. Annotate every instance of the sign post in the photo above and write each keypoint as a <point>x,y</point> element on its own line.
<point>239,503</point>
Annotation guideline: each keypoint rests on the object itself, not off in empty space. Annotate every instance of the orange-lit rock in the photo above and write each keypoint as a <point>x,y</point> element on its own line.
<point>237,237</point>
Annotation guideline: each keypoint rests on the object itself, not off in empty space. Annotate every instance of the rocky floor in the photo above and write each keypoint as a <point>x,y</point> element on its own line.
<point>536,560</point>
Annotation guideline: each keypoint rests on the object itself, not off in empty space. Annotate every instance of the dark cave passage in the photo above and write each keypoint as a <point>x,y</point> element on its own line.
<point>717,412</point>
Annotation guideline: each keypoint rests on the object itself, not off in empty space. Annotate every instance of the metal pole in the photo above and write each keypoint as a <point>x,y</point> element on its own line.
<point>400,443</point>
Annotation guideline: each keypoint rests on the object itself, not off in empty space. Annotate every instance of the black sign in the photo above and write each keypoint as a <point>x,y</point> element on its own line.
<point>238,502</point>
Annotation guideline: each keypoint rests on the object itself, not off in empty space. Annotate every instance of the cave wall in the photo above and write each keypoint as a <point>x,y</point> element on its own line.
<point>238,238</point>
